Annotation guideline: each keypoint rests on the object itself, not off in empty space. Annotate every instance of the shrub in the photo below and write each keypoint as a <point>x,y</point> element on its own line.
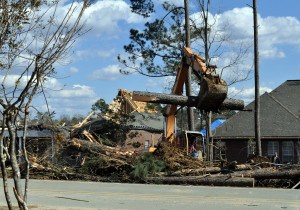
<point>147,165</point>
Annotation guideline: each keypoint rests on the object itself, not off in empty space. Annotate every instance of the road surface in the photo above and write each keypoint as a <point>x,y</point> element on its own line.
<point>115,196</point>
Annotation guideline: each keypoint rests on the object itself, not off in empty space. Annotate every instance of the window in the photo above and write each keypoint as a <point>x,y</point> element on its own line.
<point>272,148</point>
<point>147,144</point>
<point>251,147</point>
<point>287,151</point>
<point>220,151</point>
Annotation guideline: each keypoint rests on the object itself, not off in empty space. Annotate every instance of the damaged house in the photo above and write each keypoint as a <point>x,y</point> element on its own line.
<point>279,125</point>
<point>145,123</point>
<point>147,127</point>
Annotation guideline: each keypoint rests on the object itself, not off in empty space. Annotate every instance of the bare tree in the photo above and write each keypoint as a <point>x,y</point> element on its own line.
<point>212,43</point>
<point>256,71</point>
<point>188,81</point>
<point>32,40</point>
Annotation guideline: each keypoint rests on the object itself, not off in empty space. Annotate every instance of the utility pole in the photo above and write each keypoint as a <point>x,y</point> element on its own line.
<point>256,76</point>
<point>188,81</point>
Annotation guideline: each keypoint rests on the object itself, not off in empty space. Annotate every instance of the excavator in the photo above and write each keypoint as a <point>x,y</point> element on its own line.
<point>213,91</point>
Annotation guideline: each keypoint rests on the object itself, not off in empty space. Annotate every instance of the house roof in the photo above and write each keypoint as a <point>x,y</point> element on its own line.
<point>46,133</point>
<point>279,116</point>
<point>147,121</point>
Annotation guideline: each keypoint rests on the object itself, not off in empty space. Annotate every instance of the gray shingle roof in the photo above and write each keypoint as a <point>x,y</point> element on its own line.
<point>280,115</point>
<point>148,121</point>
<point>33,133</point>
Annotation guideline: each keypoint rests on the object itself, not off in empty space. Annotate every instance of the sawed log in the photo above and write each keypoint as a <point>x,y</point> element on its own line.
<point>270,173</point>
<point>180,100</point>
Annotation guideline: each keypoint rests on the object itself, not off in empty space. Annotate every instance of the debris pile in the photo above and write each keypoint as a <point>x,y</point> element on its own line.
<point>175,158</point>
<point>79,159</point>
<point>86,157</point>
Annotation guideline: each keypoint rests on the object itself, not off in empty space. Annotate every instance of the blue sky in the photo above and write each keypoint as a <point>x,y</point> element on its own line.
<point>91,71</point>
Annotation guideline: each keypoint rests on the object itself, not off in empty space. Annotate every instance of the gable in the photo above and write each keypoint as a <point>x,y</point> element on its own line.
<point>278,117</point>
<point>288,94</point>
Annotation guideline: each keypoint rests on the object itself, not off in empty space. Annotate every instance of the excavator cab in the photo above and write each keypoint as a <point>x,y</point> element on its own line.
<point>190,139</point>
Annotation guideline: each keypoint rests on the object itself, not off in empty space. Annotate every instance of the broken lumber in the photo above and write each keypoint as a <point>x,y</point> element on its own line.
<point>204,180</point>
<point>89,136</point>
<point>296,185</point>
<point>189,101</point>
<point>84,121</point>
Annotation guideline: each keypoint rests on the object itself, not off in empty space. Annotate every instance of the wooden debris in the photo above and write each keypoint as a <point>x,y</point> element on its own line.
<point>296,185</point>
<point>84,121</point>
<point>89,136</point>
<point>91,160</point>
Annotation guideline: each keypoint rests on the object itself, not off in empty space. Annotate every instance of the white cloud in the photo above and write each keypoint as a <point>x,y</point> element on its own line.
<point>77,91</point>
<point>60,98</point>
<point>272,53</point>
<point>246,94</point>
<point>68,100</point>
<point>12,80</point>
<point>53,84</point>
<point>74,70</point>
<point>175,2</point>
<point>88,53</point>
<point>161,83</point>
<point>104,16</point>
<point>274,32</point>
<point>111,72</point>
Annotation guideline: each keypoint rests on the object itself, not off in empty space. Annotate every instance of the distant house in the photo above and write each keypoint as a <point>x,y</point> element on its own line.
<point>146,129</point>
<point>279,122</point>
<point>38,140</point>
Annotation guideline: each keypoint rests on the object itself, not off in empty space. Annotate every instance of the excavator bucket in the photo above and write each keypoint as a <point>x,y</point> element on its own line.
<point>213,92</point>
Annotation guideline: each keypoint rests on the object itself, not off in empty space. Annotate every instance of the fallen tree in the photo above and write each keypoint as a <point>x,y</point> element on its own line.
<point>189,101</point>
<point>274,173</point>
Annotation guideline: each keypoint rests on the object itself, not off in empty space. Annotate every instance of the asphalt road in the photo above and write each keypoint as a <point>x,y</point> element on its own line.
<point>96,195</point>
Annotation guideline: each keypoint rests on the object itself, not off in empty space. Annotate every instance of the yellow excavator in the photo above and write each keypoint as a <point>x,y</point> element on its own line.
<point>213,90</point>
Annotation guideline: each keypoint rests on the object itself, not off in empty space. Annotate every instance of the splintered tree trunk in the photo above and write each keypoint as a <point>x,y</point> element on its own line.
<point>189,101</point>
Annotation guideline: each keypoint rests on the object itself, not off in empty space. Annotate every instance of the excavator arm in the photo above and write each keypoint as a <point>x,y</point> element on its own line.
<point>213,90</point>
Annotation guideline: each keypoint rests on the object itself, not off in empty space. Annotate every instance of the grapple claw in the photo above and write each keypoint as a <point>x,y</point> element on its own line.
<point>213,92</point>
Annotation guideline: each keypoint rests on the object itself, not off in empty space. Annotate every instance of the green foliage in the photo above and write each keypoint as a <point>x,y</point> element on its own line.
<point>147,165</point>
<point>142,7</point>
<point>100,105</point>
<point>156,50</point>
<point>108,142</point>
<point>136,144</point>
<point>153,107</point>
<point>133,134</point>
<point>93,165</point>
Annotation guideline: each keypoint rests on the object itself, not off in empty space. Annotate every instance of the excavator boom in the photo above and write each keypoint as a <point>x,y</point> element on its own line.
<point>213,90</point>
